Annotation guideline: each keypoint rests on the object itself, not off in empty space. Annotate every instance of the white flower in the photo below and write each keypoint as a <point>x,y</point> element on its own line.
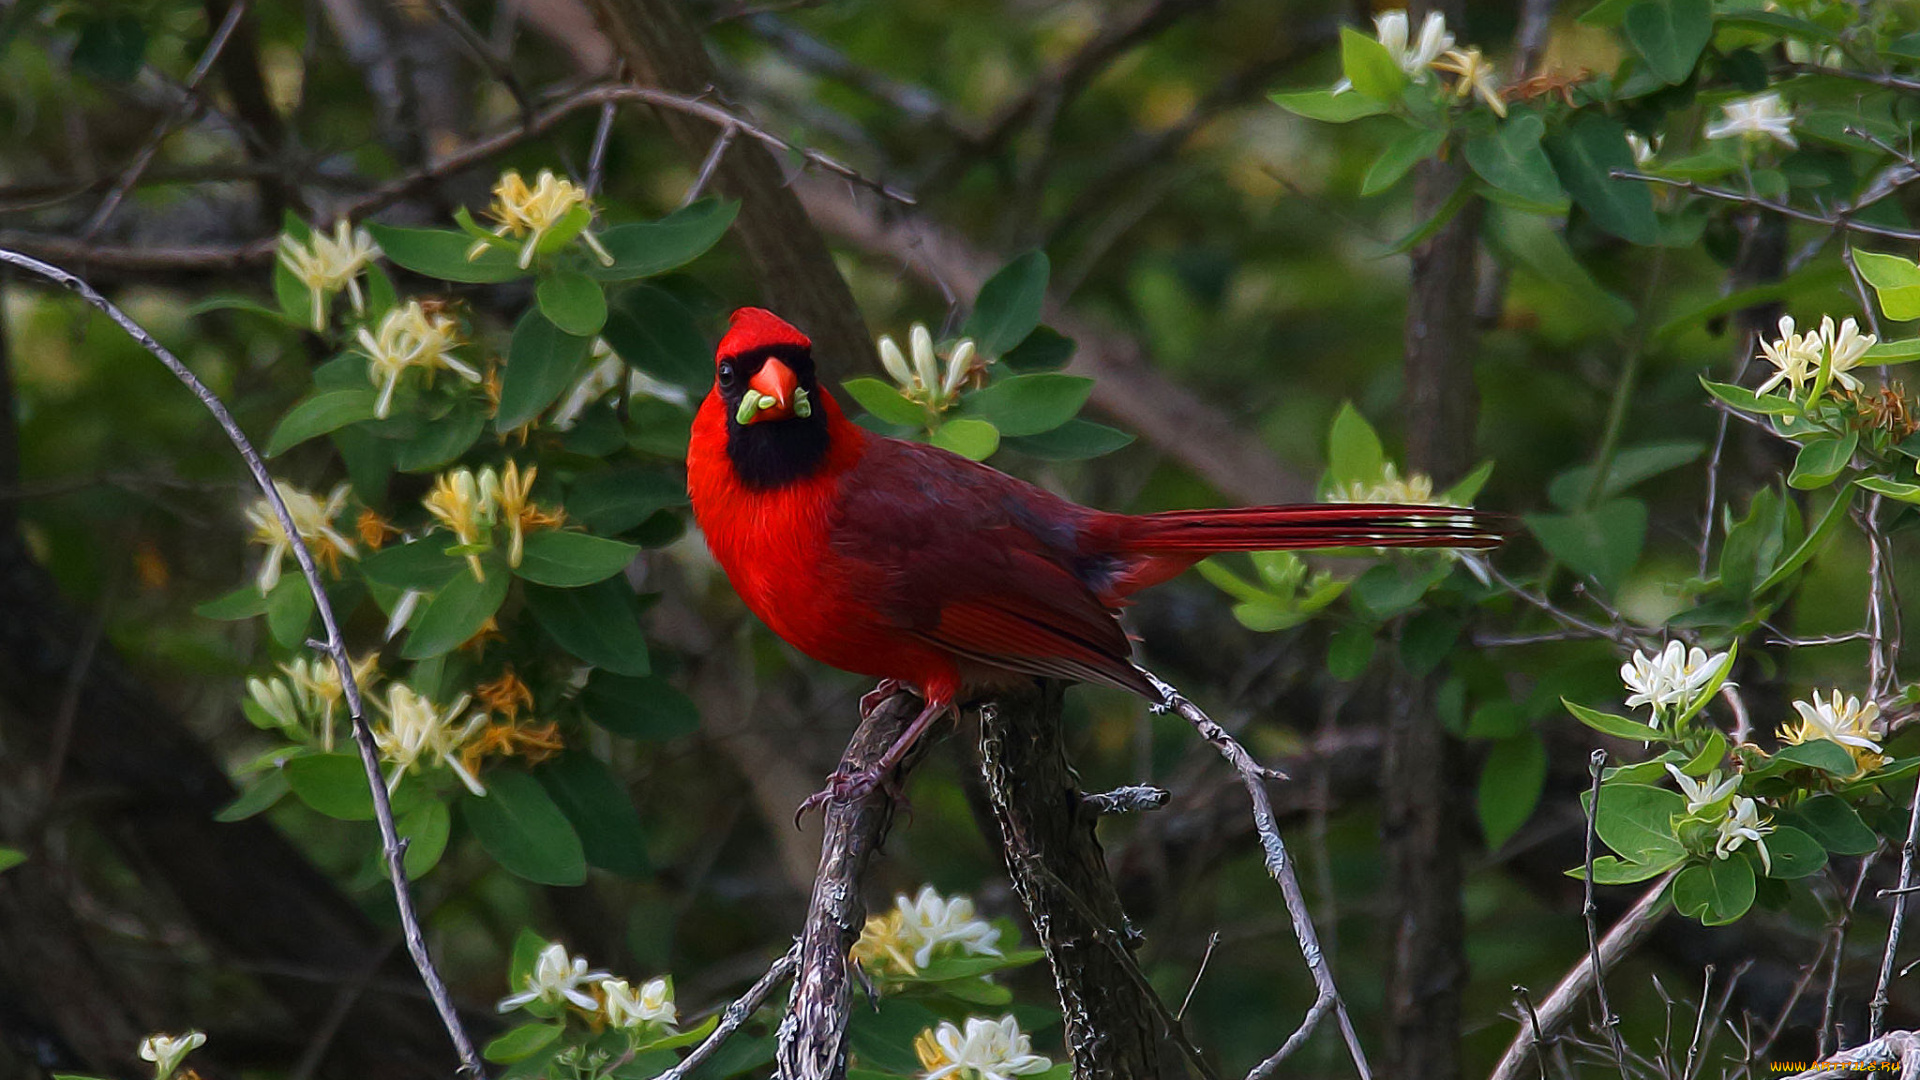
<point>1845,348</point>
<point>410,337</point>
<point>167,1051</point>
<point>1741,824</point>
<point>627,1007</point>
<point>1644,149</point>
<point>403,610</point>
<point>1766,116</point>
<point>1414,58</point>
<point>312,519</point>
<point>532,211</point>
<point>556,979</point>
<point>1415,488</point>
<point>418,729</point>
<point>1703,793</point>
<point>987,1050</point>
<point>928,922</point>
<point>1795,358</point>
<point>310,693</point>
<point>602,379</point>
<point>328,263</point>
<point>1845,721</point>
<point>922,379</point>
<point>1670,679</point>
<point>1476,76</point>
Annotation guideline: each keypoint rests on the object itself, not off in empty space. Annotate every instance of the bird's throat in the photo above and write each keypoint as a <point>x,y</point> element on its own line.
<point>773,453</point>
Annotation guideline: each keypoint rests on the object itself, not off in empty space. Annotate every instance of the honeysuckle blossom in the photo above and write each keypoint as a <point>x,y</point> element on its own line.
<point>604,377</point>
<point>410,336</point>
<point>403,610</point>
<point>533,212</point>
<point>986,1050</point>
<point>1414,56</point>
<point>1643,148</point>
<point>907,937</point>
<point>924,380</point>
<point>418,732</point>
<point>312,519</point>
<point>1795,358</point>
<point>517,511</point>
<point>1765,116</point>
<point>626,1007</point>
<point>1844,349</point>
<point>557,979</point>
<point>1391,487</point>
<point>1671,678</point>
<point>1743,823</point>
<point>1704,792</point>
<point>168,1051</point>
<point>467,503</point>
<point>326,264</point>
<point>1476,76</point>
<point>310,693</point>
<point>1847,721</point>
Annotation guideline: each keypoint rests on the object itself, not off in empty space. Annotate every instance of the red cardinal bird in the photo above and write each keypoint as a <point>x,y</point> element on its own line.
<point>908,563</point>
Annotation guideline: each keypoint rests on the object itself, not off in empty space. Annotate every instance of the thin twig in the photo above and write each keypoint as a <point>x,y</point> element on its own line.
<point>1533,1021</point>
<point>707,167</point>
<point>1131,799</point>
<point>1895,1047</point>
<point>1588,911</point>
<point>1280,866</point>
<point>333,645</point>
<point>1877,1012</point>
<point>1213,939</point>
<point>166,125</point>
<point>597,157</point>
<point>481,50</point>
<point>1832,221</point>
<point>737,1013</point>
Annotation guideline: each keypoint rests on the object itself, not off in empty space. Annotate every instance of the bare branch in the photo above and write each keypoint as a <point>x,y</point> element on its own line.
<point>736,1014</point>
<point>1131,799</point>
<point>1837,220</point>
<point>1900,1048</point>
<point>334,646</point>
<point>1588,912</point>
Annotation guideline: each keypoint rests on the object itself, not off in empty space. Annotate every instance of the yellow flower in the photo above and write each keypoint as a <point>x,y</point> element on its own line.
<point>883,943</point>
<point>418,732</point>
<point>1842,720</point>
<point>927,1049</point>
<point>1415,488</point>
<point>318,690</point>
<point>534,211</point>
<point>519,514</point>
<point>1476,76</point>
<point>465,503</point>
<point>326,264</point>
<point>410,337</point>
<point>312,519</point>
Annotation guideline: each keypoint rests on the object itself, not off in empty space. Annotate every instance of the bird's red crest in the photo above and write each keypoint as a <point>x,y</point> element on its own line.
<point>754,328</point>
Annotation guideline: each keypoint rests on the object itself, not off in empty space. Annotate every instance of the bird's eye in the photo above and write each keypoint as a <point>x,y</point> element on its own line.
<point>727,376</point>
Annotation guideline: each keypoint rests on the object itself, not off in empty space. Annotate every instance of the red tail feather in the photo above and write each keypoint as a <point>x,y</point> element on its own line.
<point>1277,528</point>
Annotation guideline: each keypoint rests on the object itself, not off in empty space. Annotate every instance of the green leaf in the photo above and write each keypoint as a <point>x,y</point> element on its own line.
<point>519,825</point>
<point>1349,652</point>
<point>1390,588</point>
<point>1427,639</point>
<point>1669,34</point>
<point>615,501</point>
<point>1630,466</point>
<point>542,362</point>
<point>885,401</point>
<point>1009,305</point>
<point>1896,281</point>
<point>1370,67</point>
<point>1327,106</point>
<point>1716,893</point>
<point>1892,489</point>
<point>1030,404</point>
<point>572,301</point>
<point>242,603</point>
<point>11,857</point>
<point>652,330</point>
<point>602,813</point>
<point>111,48</point>
<point>1822,460</point>
<point>974,439</point>
<point>648,709</point>
<point>599,624</point>
<point>1532,241</point>
<point>1603,543</point>
<point>334,784</point>
<point>1822,754</point>
<point>1511,159</point>
<point>1778,24</point>
<point>1828,819</point>
<point>319,414</point>
<point>1816,539</point>
<point>1585,155</point>
<point>1747,401</point>
<point>260,796</point>
<point>520,1043</point>
<point>1075,440</point>
<point>439,442</point>
<point>1608,870</point>
<point>1400,156</point>
<point>422,564</point>
<point>1610,724</point>
<point>1793,854</point>
<point>647,248</point>
<point>1046,349</point>
<point>1354,454</point>
<point>1636,820</point>
<point>290,610</point>
<point>569,559</point>
<point>1892,352</point>
<point>442,253</point>
<point>456,613</point>
<point>1510,786</point>
<point>425,828</point>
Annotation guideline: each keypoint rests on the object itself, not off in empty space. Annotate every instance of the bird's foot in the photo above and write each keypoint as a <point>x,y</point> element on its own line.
<point>876,697</point>
<point>850,787</point>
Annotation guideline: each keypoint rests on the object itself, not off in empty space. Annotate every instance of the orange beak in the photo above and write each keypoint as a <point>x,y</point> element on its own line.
<point>779,392</point>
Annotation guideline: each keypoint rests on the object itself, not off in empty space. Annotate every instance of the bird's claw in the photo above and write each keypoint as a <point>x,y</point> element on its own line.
<point>848,787</point>
<point>876,697</point>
